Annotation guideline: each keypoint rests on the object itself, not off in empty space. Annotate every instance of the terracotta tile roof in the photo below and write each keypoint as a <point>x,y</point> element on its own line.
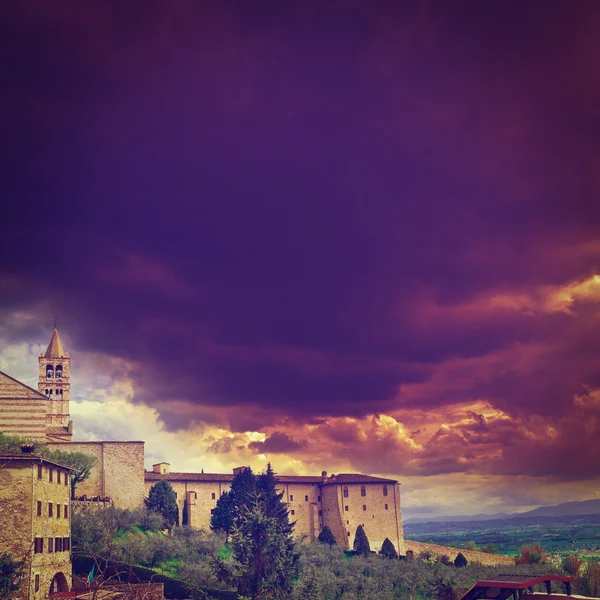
<point>228,478</point>
<point>9,456</point>
<point>356,478</point>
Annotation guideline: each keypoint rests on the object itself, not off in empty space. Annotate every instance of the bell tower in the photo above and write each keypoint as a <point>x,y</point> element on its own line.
<point>54,383</point>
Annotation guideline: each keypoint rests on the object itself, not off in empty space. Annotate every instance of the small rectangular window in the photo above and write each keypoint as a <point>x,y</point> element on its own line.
<point>66,479</point>
<point>212,511</point>
<point>293,512</point>
<point>66,544</point>
<point>345,508</point>
<point>50,544</point>
<point>37,583</point>
<point>348,534</point>
<point>305,498</point>
<point>291,497</point>
<point>213,496</point>
<point>58,545</point>
<point>364,507</point>
<point>38,545</point>
<point>320,513</point>
<point>50,513</point>
<point>40,470</point>
<point>66,511</point>
<point>57,476</point>
<point>318,498</point>
<point>386,507</point>
<point>50,475</point>
<point>58,511</point>
<point>39,508</point>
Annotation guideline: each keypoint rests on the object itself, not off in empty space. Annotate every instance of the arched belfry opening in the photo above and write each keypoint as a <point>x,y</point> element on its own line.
<point>58,372</point>
<point>49,372</point>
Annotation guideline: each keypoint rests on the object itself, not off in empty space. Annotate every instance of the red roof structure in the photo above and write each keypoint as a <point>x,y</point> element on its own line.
<point>520,587</point>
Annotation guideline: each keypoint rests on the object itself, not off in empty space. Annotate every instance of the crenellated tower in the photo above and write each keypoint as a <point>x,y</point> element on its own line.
<point>54,383</point>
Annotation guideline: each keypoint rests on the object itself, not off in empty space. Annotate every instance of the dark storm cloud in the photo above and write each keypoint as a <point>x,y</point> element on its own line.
<point>277,442</point>
<point>300,211</point>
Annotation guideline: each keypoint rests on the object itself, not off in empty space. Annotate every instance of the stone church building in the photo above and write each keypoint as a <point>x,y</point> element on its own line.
<point>341,501</point>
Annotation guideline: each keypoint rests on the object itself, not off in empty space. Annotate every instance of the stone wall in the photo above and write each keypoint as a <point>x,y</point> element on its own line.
<point>378,514</point>
<point>118,474</point>
<point>471,555</point>
<point>22,409</point>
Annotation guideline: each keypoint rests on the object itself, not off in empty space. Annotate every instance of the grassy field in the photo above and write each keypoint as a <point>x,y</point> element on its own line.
<point>555,534</point>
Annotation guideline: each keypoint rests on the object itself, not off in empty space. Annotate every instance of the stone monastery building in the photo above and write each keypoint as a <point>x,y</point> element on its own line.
<point>341,501</point>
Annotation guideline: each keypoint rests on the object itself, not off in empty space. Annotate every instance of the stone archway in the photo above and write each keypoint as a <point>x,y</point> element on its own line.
<point>59,584</point>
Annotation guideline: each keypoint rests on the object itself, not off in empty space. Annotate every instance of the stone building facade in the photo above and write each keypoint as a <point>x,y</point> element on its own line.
<point>36,522</point>
<point>342,502</point>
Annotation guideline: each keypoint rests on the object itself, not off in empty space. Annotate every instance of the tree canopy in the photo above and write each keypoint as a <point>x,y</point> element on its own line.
<point>10,576</point>
<point>460,560</point>
<point>388,550</point>
<point>162,499</point>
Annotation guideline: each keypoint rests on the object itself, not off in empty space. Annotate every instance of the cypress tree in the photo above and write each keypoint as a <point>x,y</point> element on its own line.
<point>223,515</point>
<point>361,542</point>
<point>460,560</point>
<point>326,537</point>
<point>162,499</point>
<point>388,550</point>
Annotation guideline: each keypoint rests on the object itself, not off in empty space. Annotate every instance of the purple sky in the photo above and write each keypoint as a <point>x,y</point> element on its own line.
<point>371,227</point>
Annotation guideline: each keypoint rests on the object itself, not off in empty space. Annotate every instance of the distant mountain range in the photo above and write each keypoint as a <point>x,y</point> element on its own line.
<point>585,507</point>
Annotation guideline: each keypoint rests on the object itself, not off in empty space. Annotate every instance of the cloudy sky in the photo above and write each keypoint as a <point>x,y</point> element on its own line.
<point>342,236</point>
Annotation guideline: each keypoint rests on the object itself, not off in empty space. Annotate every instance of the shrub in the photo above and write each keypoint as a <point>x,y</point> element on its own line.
<point>588,581</point>
<point>444,559</point>
<point>490,549</point>
<point>460,560</point>
<point>471,545</point>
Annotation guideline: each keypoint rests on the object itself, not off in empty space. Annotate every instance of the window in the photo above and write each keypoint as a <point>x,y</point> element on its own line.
<point>39,511</point>
<point>386,506</point>
<point>320,513</point>
<point>291,497</point>
<point>66,479</point>
<point>37,583</point>
<point>39,471</point>
<point>363,490</point>
<point>348,534</point>
<point>50,509</point>
<point>212,511</point>
<point>175,494</point>
<point>345,492</point>
<point>318,498</point>
<point>385,490</point>
<point>346,508</point>
<point>50,475</point>
<point>57,476</point>
<point>58,542</point>
<point>66,511</point>
<point>293,512</point>
<point>49,372</point>
<point>50,544</point>
<point>364,507</point>
<point>305,498</point>
<point>66,544</point>
<point>38,545</point>
<point>213,496</point>
<point>58,511</point>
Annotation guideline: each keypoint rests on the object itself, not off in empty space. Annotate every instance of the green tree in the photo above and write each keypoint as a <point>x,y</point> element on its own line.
<point>460,560</point>
<point>11,571</point>
<point>223,515</point>
<point>81,463</point>
<point>265,554</point>
<point>470,545</point>
<point>388,550</point>
<point>490,549</point>
<point>162,499</point>
<point>361,542</point>
<point>242,487</point>
<point>326,536</point>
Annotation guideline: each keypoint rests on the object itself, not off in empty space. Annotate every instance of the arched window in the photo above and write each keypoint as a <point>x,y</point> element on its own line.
<point>345,492</point>
<point>49,372</point>
<point>363,490</point>
<point>58,371</point>
<point>385,490</point>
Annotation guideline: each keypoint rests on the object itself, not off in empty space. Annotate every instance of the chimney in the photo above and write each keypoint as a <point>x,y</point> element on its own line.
<point>27,448</point>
